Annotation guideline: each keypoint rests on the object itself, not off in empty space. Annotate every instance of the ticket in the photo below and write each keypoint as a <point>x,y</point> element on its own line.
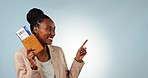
<point>29,40</point>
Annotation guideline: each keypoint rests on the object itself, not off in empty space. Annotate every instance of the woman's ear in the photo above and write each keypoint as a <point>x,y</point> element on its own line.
<point>35,30</point>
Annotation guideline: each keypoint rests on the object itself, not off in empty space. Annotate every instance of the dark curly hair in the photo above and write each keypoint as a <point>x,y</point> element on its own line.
<point>34,17</point>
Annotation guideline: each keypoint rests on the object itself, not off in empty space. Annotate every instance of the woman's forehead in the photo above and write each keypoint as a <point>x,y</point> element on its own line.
<point>48,23</point>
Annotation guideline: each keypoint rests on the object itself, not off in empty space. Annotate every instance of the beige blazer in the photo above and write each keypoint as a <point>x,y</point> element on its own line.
<point>23,70</point>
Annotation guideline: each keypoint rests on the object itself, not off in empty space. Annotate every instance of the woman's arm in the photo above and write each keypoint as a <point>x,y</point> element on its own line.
<point>23,70</point>
<point>75,68</point>
<point>78,62</point>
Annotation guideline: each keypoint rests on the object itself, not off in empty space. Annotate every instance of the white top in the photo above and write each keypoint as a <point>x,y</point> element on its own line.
<point>47,69</point>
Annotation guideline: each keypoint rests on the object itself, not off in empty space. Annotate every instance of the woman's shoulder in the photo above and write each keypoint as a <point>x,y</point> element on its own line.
<point>21,51</point>
<point>55,47</point>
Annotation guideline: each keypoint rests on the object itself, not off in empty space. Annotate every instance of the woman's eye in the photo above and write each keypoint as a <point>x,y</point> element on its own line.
<point>48,29</point>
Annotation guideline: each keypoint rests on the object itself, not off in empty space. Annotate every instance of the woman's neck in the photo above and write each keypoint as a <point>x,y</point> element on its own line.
<point>44,55</point>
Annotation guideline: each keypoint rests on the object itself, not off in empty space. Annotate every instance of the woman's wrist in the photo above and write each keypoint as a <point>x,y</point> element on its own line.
<point>80,61</point>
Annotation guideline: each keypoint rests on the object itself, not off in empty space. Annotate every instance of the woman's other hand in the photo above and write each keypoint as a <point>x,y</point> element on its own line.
<point>81,53</point>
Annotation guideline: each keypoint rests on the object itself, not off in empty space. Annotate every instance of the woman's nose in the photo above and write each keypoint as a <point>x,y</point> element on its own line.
<point>53,33</point>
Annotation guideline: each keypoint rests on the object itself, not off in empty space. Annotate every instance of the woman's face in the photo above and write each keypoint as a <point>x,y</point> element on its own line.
<point>45,32</point>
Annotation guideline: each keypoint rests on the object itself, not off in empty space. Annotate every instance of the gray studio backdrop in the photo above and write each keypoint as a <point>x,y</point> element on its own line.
<point>117,33</point>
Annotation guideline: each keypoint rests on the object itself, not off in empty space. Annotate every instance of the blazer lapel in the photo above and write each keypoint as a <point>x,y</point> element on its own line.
<point>54,60</point>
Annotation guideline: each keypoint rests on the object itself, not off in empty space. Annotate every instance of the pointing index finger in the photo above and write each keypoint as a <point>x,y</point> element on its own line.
<point>84,43</point>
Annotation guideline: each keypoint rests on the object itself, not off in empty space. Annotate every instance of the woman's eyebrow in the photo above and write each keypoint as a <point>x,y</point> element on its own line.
<point>50,26</point>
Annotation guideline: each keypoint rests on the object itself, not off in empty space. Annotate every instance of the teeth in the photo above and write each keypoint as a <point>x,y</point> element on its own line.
<point>50,38</point>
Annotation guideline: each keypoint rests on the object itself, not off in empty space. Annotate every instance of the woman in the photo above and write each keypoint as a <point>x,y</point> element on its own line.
<point>50,62</point>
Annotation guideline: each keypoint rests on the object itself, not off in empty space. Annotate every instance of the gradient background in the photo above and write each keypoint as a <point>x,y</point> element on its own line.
<point>117,31</point>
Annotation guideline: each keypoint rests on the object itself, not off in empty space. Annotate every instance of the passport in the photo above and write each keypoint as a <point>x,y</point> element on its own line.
<point>29,40</point>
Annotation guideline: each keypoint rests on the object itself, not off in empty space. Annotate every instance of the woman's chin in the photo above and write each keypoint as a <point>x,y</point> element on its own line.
<point>49,43</point>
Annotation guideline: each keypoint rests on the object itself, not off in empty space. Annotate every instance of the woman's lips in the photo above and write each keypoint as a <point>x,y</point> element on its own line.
<point>50,38</point>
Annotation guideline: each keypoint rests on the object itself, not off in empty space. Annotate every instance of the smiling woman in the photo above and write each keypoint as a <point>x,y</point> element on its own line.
<point>50,62</point>
<point>41,25</point>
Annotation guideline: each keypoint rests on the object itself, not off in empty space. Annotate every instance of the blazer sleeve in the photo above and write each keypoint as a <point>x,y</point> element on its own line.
<point>75,68</point>
<point>23,69</point>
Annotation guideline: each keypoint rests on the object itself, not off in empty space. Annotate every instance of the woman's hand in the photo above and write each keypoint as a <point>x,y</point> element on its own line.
<point>30,56</point>
<point>81,53</point>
